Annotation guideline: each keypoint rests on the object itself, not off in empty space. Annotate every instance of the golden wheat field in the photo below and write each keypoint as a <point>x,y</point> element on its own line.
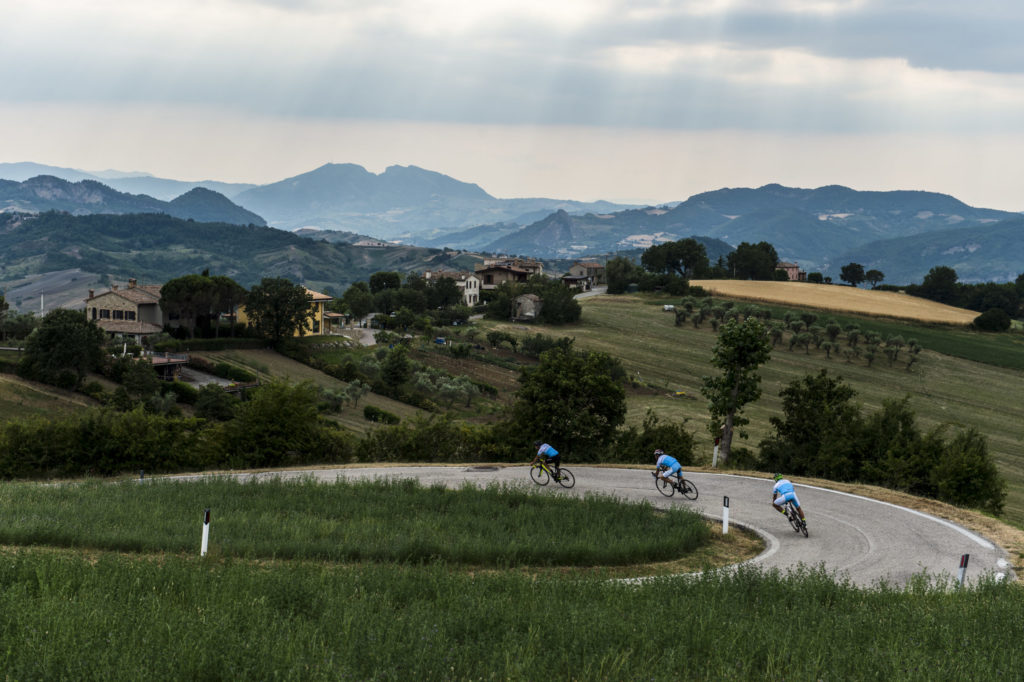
<point>842,299</point>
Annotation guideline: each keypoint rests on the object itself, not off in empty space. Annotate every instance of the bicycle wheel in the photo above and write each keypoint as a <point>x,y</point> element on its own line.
<point>665,487</point>
<point>566,480</point>
<point>687,488</point>
<point>794,517</point>
<point>539,475</point>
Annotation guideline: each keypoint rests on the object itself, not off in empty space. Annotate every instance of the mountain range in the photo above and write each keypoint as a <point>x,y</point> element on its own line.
<point>902,233</point>
<point>48,193</point>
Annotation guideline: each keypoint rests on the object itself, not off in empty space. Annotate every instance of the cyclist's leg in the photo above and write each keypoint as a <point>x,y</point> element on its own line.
<point>556,462</point>
<point>779,504</point>
<point>799,508</point>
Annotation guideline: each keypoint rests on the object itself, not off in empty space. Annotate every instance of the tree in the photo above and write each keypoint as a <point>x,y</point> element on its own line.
<point>228,295</point>
<point>852,273</point>
<point>940,284</point>
<point>279,423</point>
<point>753,261</point>
<point>873,277</point>
<point>379,281</point>
<point>215,404</point>
<point>278,309</point>
<point>64,347</point>
<point>686,258</point>
<point>817,431</point>
<point>575,401</point>
<point>742,347</point>
<point>188,297</point>
<point>445,293</point>
<point>4,306</point>
<point>993,320</point>
<point>621,272</point>
<point>358,300</point>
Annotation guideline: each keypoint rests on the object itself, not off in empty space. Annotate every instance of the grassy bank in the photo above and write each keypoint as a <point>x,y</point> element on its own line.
<point>112,617</point>
<point>350,521</point>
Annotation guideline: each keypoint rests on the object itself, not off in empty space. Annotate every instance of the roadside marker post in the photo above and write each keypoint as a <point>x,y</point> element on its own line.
<point>206,532</point>
<point>725,515</point>
<point>964,558</point>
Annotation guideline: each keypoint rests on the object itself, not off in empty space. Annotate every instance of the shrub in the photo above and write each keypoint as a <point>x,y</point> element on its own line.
<point>993,320</point>
<point>183,393</point>
<point>375,414</point>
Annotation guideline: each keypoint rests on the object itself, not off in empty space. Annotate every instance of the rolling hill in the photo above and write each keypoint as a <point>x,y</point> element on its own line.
<point>47,193</point>
<point>76,253</point>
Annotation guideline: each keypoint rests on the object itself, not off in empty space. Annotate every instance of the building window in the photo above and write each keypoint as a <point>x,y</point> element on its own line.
<point>104,314</point>
<point>118,314</point>
<point>129,315</point>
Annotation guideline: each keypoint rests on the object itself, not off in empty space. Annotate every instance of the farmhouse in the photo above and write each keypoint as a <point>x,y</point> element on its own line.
<point>130,312</point>
<point>468,282</point>
<point>585,275</point>
<point>793,271</point>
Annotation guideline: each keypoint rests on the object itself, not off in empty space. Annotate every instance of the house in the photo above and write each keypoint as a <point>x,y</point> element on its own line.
<point>495,271</point>
<point>130,312</point>
<point>593,270</point>
<point>585,275</point>
<point>491,276</point>
<point>468,282</point>
<point>792,271</point>
<point>526,308</point>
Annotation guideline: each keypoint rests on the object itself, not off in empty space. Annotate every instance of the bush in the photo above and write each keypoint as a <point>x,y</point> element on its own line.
<point>375,414</point>
<point>183,393</point>
<point>636,446</point>
<point>993,320</point>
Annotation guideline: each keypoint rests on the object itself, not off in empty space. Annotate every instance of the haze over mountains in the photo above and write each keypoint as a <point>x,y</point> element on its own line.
<point>901,233</point>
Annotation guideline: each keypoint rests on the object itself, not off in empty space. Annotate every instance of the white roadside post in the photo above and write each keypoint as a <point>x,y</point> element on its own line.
<point>206,533</point>
<point>725,515</point>
<point>964,558</point>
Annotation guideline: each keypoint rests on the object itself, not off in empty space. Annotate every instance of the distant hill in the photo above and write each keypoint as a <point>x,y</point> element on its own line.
<point>401,201</point>
<point>86,251</point>
<point>812,227</point>
<point>984,253</point>
<point>132,183</point>
<point>47,193</point>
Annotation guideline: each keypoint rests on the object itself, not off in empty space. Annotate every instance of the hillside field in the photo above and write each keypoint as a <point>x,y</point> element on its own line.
<point>835,298</point>
<point>942,389</point>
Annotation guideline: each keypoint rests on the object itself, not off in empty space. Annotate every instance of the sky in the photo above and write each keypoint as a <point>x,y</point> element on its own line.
<point>649,101</point>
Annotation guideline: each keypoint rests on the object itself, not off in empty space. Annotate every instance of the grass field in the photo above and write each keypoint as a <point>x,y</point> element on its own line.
<point>942,389</point>
<point>270,364</point>
<point>163,615</point>
<point>20,399</point>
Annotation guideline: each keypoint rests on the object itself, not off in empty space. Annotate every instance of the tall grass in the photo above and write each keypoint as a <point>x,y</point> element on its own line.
<point>397,520</point>
<point>115,617</point>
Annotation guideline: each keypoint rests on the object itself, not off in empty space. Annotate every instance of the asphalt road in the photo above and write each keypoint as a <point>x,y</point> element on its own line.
<point>857,538</point>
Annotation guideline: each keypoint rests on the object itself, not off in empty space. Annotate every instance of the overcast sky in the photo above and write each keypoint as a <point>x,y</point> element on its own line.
<point>646,101</point>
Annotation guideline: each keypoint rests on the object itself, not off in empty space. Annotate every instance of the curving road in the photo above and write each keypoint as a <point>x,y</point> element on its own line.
<point>858,538</point>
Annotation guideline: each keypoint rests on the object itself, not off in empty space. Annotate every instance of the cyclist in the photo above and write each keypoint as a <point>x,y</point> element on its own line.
<point>667,465</point>
<point>782,493</point>
<point>554,459</point>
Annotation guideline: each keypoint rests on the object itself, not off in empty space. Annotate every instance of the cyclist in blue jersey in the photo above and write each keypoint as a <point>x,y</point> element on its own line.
<point>554,459</point>
<point>782,493</point>
<point>667,465</point>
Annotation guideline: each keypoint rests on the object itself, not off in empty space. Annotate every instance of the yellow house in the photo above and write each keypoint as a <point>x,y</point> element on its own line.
<point>317,313</point>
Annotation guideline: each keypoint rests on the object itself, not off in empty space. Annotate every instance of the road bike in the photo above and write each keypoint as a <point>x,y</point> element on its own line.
<point>541,474</point>
<point>793,516</point>
<point>677,483</point>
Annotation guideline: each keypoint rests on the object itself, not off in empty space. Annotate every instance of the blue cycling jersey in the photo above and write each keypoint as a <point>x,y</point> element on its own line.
<point>547,451</point>
<point>668,461</point>
<point>783,486</point>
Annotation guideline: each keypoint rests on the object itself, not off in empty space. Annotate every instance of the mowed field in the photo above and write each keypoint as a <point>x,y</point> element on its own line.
<point>942,389</point>
<point>839,299</point>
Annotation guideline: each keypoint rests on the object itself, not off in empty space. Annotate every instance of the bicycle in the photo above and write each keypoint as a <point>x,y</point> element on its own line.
<point>793,516</point>
<point>541,474</point>
<point>684,487</point>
